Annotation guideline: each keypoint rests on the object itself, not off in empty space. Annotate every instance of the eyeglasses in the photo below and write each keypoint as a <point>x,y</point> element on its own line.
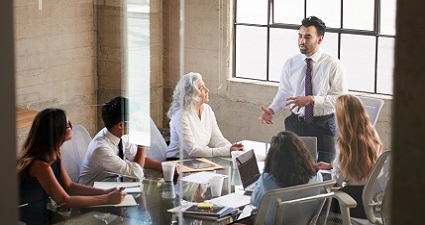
<point>69,125</point>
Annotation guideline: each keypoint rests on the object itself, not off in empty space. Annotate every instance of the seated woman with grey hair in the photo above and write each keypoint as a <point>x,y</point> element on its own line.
<point>193,121</point>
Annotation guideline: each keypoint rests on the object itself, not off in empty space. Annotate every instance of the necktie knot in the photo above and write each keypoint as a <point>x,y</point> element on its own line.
<point>308,61</point>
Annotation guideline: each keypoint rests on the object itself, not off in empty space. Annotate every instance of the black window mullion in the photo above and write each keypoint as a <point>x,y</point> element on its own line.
<point>377,18</point>
<point>341,26</point>
<point>375,85</point>
<point>377,29</point>
<point>269,17</point>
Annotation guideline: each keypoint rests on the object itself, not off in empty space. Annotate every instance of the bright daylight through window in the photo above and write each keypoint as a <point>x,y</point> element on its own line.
<point>361,33</point>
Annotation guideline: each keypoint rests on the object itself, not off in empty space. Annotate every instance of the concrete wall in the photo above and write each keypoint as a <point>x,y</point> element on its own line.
<point>157,55</point>
<point>111,60</point>
<point>171,63</point>
<point>236,102</point>
<point>69,56</point>
<point>109,52</point>
<point>55,58</point>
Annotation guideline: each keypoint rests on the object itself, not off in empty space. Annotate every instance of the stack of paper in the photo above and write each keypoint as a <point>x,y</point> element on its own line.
<point>213,211</point>
<point>201,177</point>
<point>128,201</point>
<point>232,200</point>
<point>130,187</point>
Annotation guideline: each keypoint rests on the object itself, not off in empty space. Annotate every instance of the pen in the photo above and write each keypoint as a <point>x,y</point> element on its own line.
<point>25,204</point>
<point>122,175</point>
<point>135,186</point>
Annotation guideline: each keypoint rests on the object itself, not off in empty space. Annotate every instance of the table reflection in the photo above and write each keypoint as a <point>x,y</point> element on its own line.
<point>156,198</point>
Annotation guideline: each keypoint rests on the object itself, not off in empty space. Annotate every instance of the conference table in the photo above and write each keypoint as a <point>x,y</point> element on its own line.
<point>158,197</point>
<point>154,202</point>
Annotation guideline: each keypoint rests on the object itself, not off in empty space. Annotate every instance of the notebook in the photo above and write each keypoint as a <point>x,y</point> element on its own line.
<point>248,170</point>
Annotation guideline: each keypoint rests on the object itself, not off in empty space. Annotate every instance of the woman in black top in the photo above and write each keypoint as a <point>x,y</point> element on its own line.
<point>42,175</point>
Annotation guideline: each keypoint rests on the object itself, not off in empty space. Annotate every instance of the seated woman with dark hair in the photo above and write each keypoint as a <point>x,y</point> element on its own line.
<point>42,175</point>
<point>288,163</point>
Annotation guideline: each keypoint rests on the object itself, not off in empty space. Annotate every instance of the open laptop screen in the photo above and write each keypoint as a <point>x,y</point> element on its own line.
<point>248,168</point>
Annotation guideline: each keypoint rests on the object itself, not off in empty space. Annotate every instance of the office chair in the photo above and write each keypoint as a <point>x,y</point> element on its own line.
<point>158,147</point>
<point>373,107</point>
<point>372,196</point>
<point>299,204</point>
<point>74,151</point>
<point>311,143</point>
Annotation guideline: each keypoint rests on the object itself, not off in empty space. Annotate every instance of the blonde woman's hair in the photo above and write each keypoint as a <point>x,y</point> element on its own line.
<point>359,143</point>
<point>186,94</point>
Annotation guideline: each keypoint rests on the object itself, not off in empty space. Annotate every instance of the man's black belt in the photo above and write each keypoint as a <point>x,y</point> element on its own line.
<point>315,118</point>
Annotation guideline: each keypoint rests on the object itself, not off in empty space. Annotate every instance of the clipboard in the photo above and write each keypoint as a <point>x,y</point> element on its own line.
<point>197,165</point>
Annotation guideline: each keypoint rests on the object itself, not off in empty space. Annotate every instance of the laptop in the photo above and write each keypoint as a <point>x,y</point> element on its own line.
<point>248,170</point>
<point>311,143</point>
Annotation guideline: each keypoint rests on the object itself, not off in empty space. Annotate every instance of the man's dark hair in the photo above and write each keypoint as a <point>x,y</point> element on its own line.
<point>316,22</point>
<point>115,111</point>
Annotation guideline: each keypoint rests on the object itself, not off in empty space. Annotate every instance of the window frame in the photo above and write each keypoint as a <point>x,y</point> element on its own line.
<point>339,31</point>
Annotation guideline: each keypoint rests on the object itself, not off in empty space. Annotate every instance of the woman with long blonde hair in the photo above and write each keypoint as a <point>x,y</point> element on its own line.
<point>358,144</point>
<point>358,148</point>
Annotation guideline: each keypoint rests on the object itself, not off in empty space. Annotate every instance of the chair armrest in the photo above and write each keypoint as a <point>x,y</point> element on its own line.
<point>345,202</point>
<point>345,199</point>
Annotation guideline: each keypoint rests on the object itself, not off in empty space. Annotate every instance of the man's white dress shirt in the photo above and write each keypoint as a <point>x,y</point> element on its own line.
<point>328,81</point>
<point>102,157</point>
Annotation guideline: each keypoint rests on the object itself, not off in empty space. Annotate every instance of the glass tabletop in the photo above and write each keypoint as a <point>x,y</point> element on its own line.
<point>156,198</point>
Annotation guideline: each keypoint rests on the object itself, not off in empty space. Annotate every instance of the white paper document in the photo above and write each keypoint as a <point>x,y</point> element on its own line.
<point>260,148</point>
<point>246,212</point>
<point>130,187</point>
<point>232,200</point>
<point>128,201</point>
<point>326,171</point>
<point>201,177</point>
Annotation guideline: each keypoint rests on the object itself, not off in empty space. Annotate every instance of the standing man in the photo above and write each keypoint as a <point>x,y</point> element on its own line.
<point>110,150</point>
<point>309,85</point>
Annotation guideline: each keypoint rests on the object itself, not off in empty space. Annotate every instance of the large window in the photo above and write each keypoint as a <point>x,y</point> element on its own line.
<point>361,33</point>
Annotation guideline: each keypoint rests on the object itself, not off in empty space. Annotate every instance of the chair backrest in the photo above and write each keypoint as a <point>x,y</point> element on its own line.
<point>299,204</point>
<point>158,147</point>
<point>311,143</point>
<point>375,187</point>
<point>74,151</point>
<point>373,107</point>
